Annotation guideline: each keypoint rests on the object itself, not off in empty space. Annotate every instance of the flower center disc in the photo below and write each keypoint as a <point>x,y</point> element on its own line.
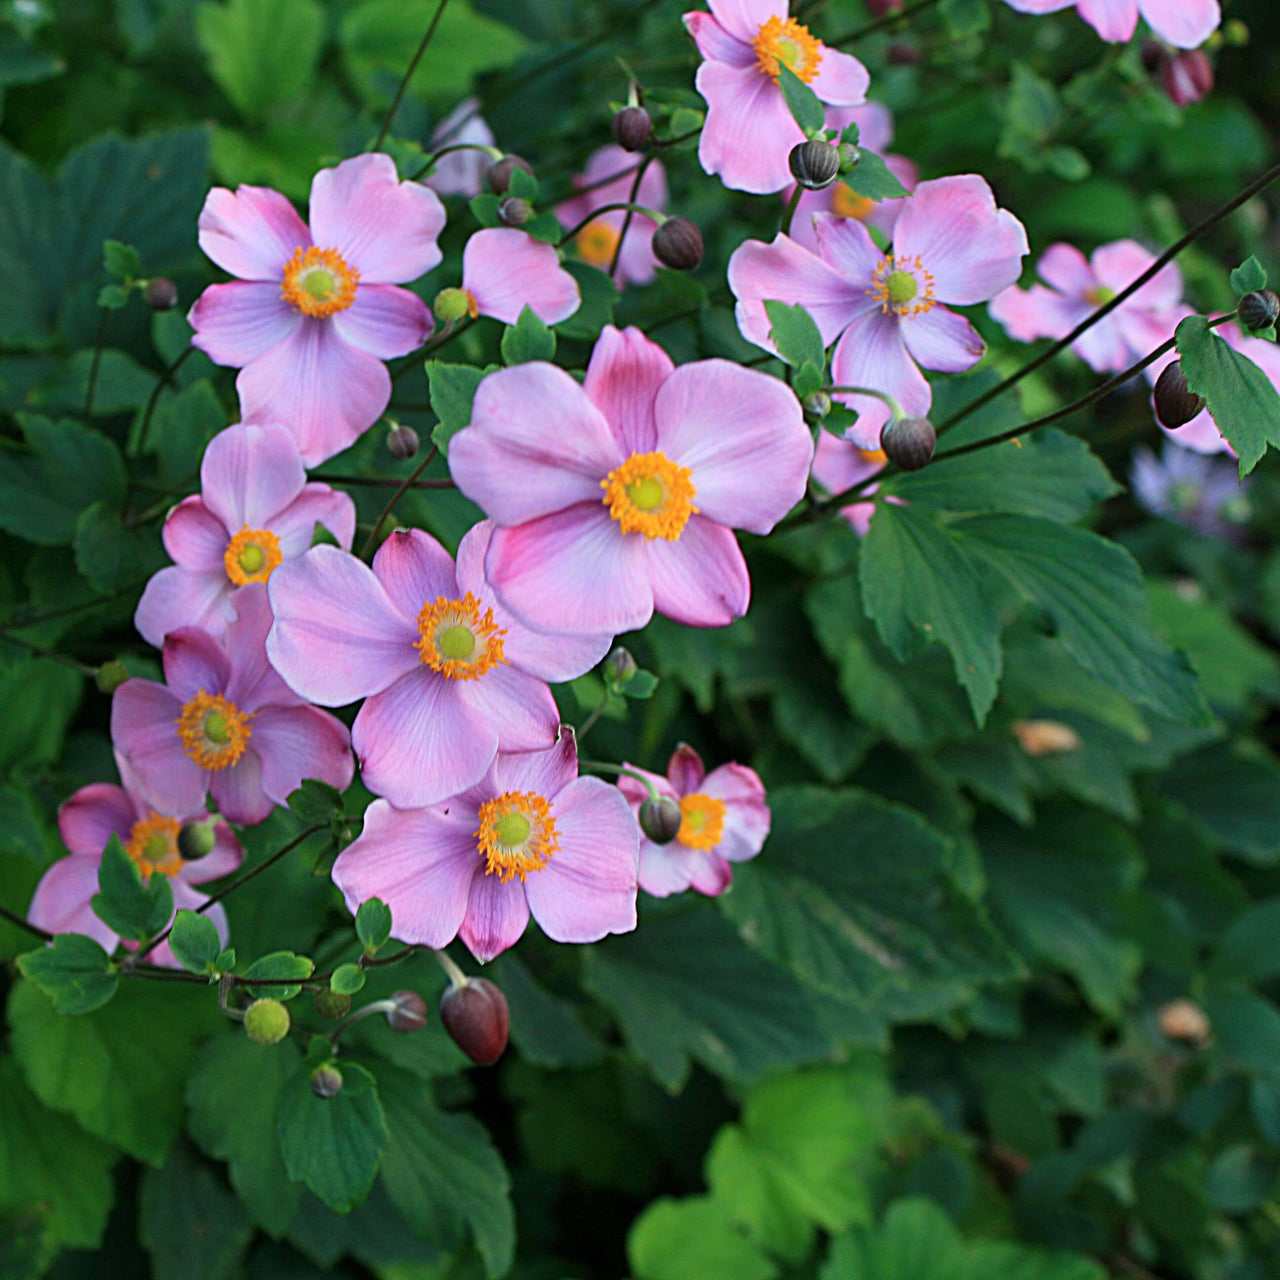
<point>457,640</point>
<point>784,40</point>
<point>876,457</point>
<point>214,732</point>
<point>597,242</point>
<point>903,286</point>
<point>153,845</point>
<point>252,556</point>
<point>701,821</point>
<point>517,834</point>
<point>318,282</point>
<point>650,494</point>
<point>1099,295</point>
<point>848,204</point>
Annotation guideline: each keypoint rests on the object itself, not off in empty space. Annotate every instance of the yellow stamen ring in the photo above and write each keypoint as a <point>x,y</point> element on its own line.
<point>597,242</point>
<point>517,835</point>
<point>784,40</point>
<point>153,845</point>
<point>318,282</point>
<point>903,286</point>
<point>457,640</point>
<point>252,556</point>
<point>214,732</point>
<point>650,494</point>
<point>701,821</point>
<point>848,204</point>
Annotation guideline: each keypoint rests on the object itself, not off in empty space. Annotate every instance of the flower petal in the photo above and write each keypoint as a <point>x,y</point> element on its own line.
<point>623,379</point>
<point>506,270</point>
<point>238,791</point>
<point>385,321</point>
<point>1067,269</point>
<point>176,597</point>
<point>144,731</point>
<point>716,44</point>
<point>873,354</point>
<point>301,742</point>
<point>194,537</point>
<point>194,660</point>
<point>942,340</point>
<point>1186,23</point>
<point>497,916</point>
<point>701,580</point>
<point>748,132</point>
<point>90,817</point>
<point>60,903</point>
<point>1113,20</point>
<point>295,526</point>
<point>685,770</point>
<point>251,232</point>
<point>743,19</point>
<point>519,707</point>
<point>249,473</point>
<point>1028,314</point>
<point>238,321</point>
<point>547,772</point>
<point>413,569</point>
<point>841,80</point>
<point>709,873</point>
<point>1119,264</point>
<point>747,816</point>
<point>839,464</point>
<point>460,173</point>
<point>846,245</point>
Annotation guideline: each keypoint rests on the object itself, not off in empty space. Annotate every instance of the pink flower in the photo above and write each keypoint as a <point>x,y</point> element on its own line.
<point>626,504</point>
<point>724,819</point>
<point>529,837</point>
<point>950,244</point>
<point>1187,76</point>
<point>461,173</point>
<point>1186,23</point>
<point>224,723</point>
<point>749,131</point>
<point>313,313</point>
<point>87,821</point>
<point>875,133</point>
<point>598,240</point>
<point>449,676</point>
<point>255,510</point>
<point>839,465</point>
<point>504,270</point>
<point>1078,286</point>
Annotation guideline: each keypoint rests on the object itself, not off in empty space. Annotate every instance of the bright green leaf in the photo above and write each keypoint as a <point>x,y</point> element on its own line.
<point>1248,277</point>
<point>793,332</point>
<point>693,1239</point>
<point>124,903</point>
<point>373,925</point>
<point>527,339</point>
<point>73,971</point>
<point>276,966</point>
<point>804,105</point>
<point>347,979</point>
<point>194,941</point>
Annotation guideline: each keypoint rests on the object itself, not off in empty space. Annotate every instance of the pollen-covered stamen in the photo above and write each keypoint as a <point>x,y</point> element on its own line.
<point>252,555</point>
<point>214,731</point>
<point>650,494</point>
<point>473,307</point>
<point>458,640</point>
<point>318,282</point>
<point>874,457</point>
<point>597,242</point>
<point>784,40</point>
<point>517,834</point>
<point>848,204</point>
<point>903,286</point>
<point>701,821</point>
<point>153,845</point>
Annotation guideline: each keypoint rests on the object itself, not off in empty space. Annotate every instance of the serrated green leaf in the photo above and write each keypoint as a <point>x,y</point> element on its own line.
<point>453,389</point>
<point>794,333</point>
<point>73,971</point>
<point>124,903</point>
<point>274,967</point>
<point>113,297</point>
<point>548,1030</point>
<point>527,339</point>
<point>681,1239</point>
<point>804,105</point>
<point>315,802</point>
<point>1248,277</point>
<point>111,556</point>
<point>643,684</point>
<point>194,941</point>
<point>373,925</point>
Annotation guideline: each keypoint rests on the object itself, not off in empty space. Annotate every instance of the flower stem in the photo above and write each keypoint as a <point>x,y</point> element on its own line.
<point>371,541</point>
<point>626,222</point>
<point>15,919</point>
<point>894,407</point>
<point>621,769</point>
<point>387,482</point>
<point>161,382</point>
<point>492,152</point>
<point>784,227</point>
<point>457,978</point>
<point>610,208</point>
<point>408,75</point>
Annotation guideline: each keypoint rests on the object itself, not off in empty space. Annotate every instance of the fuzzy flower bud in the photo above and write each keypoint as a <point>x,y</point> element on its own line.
<point>326,1081</point>
<point>1187,76</point>
<point>1176,404</point>
<point>514,212</point>
<point>110,676</point>
<point>677,244</point>
<point>266,1021</point>
<point>451,304</point>
<point>816,405</point>
<point>499,174</point>
<point>410,1013</point>
<point>161,294</point>
<point>660,819</point>
<point>908,442</point>
<point>849,157</point>
<point>620,666</point>
<point>1259,310</point>
<point>196,840</point>
<point>631,128</point>
<point>814,164</point>
<point>475,1016</point>
<point>402,442</point>
<point>331,1004</point>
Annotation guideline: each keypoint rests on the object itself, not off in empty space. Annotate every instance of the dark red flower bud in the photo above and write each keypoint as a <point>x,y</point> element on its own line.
<point>631,128</point>
<point>161,294</point>
<point>814,164</point>
<point>908,442</point>
<point>326,1081</point>
<point>410,1013</point>
<point>514,212</point>
<point>475,1015</point>
<point>660,819</point>
<point>331,1004</point>
<point>499,174</point>
<point>1259,309</point>
<point>901,54</point>
<point>1187,76</point>
<point>402,442</point>
<point>1176,403</point>
<point>677,244</point>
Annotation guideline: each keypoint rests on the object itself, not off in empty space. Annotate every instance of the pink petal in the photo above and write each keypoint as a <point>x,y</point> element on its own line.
<point>846,245</point>
<point>1113,20</point>
<point>301,742</point>
<point>747,816</point>
<point>326,391</point>
<point>385,321</point>
<point>460,173</point>
<point>886,212</point>
<point>251,232</point>
<point>972,248</point>
<point>1040,6</point>
<point>224,858</point>
<point>1028,314</point>
<point>250,473</point>
<point>194,660</point>
<point>611,159</point>
<point>385,228</point>
<point>636,263</point>
<point>743,19</point>
<point>1119,264</point>
<point>841,80</point>
<point>144,731</point>
<point>942,340</point>
<point>518,707</point>
<point>237,322</point>
<point>497,916</point>
<point>873,354</point>
<point>1104,348</point>
<point>573,570</point>
<point>665,868</point>
<point>176,597</point>
<point>685,770</point>
<point>238,791</point>
<point>743,436</point>
<point>195,538</point>
<point>88,820</point>
<point>701,580</point>
<point>415,569</point>
<point>60,903</point>
<point>748,131</point>
<point>254,682</point>
<point>1186,23</point>
<point>506,270</point>
<point>512,466</point>
<point>709,873</point>
<point>419,743</point>
<point>295,526</point>
<point>839,465</point>
<point>336,635</point>
<point>715,43</point>
<point>623,378</point>
<point>874,121</point>
<point>547,772</point>
<point>1067,270</point>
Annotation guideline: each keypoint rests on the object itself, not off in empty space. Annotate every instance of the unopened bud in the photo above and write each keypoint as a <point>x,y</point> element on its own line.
<point>908,442</point>
<point>1235,32</point>
<point>329,1003</point>
<point>814,164</point>
<point>1187,76</point>
<point>514,212</point>
<point>620,666</point>
<point>631,128</point>
<point>110,676</point>
<point>402,442</point>
<point>499,174</point>
<point>1259,309</point>
<point>1045,737</point>
<point>660,819</point>
<point>451,304</point>
<point>816,405</point>
<point>161,294</point>
<point>326,1081</point>
<point>475,1016</point>
<point>266,1021</point>
<point>901,54</point>
<point>409,1014</point>
<point>196,840</point>
<point>849,157</point>
<point>677,244</point>
<point>1184,1020</point>
<point>1176,403</point>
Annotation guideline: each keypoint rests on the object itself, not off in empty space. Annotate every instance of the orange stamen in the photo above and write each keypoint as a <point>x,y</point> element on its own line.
<point>318,282</point>
<point>252,556</point>
<point>650,494</point>
<point>153,845</point>
<point>457,640</point>
<point>784,40</point>
<point>214,732</point>
<point>701,821</point>
<point>517,834</point>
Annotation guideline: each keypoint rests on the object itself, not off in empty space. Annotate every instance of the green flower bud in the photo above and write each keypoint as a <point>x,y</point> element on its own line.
<point>196,840</point>
<point>451,304</point>
<point>110,676</point>
<point>908,442</point>
<point>331,1004</point>
<point>266,1021</point>
<point>326,1081</point>
<point>660,819</point>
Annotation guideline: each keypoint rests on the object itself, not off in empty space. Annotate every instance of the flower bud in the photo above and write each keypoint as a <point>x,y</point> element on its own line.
<point>631,128</point>
<point>110,676</point>
<point>475,1016</point>
<point>402,442</point>
<point>161,294</point>
<point>451,304</point>
<point>196,840</point>
<point>660,819</point>
<point>514,212</point>
<point>1184,1020</point>
<point>620,666</point>
<point>908,442</point>
<point>326,1081</point>
<point>1176,403</point>
<point>849,157</point>
<point>1235,32</point>
<point>882,8</point>
<point>816,405</point>
<point>814,164</point>
<point>410,1013</point>
<point>266,1021</point>
<point>499,174</point>
<point>1259,309</point>
<point>1187,76</point>
<point>331,1004</point>
<point>677,244</point>
<point>901,54</point>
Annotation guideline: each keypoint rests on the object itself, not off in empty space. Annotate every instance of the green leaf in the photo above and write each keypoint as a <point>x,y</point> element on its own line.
<point>73,971</point>
<point>642,685</point>
<point>693,1239</point>
<point>373,925</point>
<point>801,100</point>
<point>123,902</point>
<point>261,52</point>
<point>113,297</point>
<point>1234,792</point>
<point>315,802</point>
<point>1248,277</point>
<point>453,389</point>
<point>111,556</point>
<point>232,1096</point>
<point>527,339</point>
<point>444,1174</point>
<point>194,941</point>
<point>1250,948</point>
<point>1244,405</point>
<point>873,179</point>
<point>965,17</point>
<point>548,1030</point>
<point>347,979</point>
<point>278,965</point>
<point>120,261</point>
<point>599,297</point>
<point>39,698</point>
<point>794,333</point>
<point>1246,1028</point>
<point>332,1144</point>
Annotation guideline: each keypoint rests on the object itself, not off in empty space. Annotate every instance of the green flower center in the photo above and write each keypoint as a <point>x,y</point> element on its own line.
<point>252,558</point>
<point>512,829</point>
<point>456,642</point>
<point>901,286</point>
<point>216,729</point>
<point>319,284</point>
<point>647,493</point>
<point>1099,295</point>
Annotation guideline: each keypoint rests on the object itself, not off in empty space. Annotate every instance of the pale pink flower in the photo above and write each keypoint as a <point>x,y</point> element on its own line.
<point>225,724</point>
<point>254,510</point>
<point>724,820</point>
<point>86,822</point>
<point>530,837</point>
<point>749,132</point>
<point>597,242</point>
<point>620,496</point>
<point>313,312</point>
<point>461,173</point>
<point>839,465</point>
<point>951,245</point>
<point>504,270</point>
<point>1186,23</point>
<point>449,676</point>
<point>1078,286</point>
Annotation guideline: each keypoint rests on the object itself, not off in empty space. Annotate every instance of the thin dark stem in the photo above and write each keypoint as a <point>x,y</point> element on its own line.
<point>408,75</point>
<point>39,652</point>
<point>35,619</point>
<point>445,151</point>
<point>401,490</point>
<point>887,21</point>
<point>607,208</point>
<point>161,383</point>
<point>14,918</point>
<point>589,723</point>
<point>622,173</point>
<point>434,344</point>
<point>387,482</point>
<point>623,771</point>
<point>93,367</point>
<point>631,213</point>
<point>784,227</point>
